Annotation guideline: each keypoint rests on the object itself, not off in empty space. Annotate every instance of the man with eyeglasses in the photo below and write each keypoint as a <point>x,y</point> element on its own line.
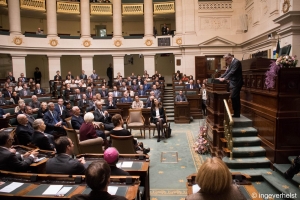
<point>11,160</point>
<point>63,163</point>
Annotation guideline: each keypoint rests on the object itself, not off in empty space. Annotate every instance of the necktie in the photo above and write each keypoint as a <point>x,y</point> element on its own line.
<point>39,91</point>
<point>83,102</point>
<point>60,108</point>
<point>53,115</point>
<point>91,95</point>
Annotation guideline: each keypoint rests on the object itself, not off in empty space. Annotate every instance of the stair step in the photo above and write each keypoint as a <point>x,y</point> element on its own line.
<point>169,107</point>
<point>282,168</point>
<point>244,132</point>
<point>242,122</point>
<point>168,104</point>
<point>255,173</point>
<point>170,114</point>
<point>168,98</point>
<point>240,163</point>
<point>281,184</point>
<point>170,119</point>
<point>246,141</point>
<point>239,152</point>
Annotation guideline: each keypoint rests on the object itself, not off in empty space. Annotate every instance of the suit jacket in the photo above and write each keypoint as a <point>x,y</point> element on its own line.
<point>50,120</point>
<point>30,119</point>
<point>98,117</point>
<point>125,100</point>
<point>88,94</point>
<point>64,164</point>
<point>34,104</point>
<point>76,122</point>
<point>1,113</point>
<point>24,134</point>
<point>111,106</point>
<point>24,79</point>
<point>82,89</point>
<point>135,87</point>
<point>116,94</point>
<point>198,86</point>
<point>156,93</point>
<point>2,101</point>
<point>10,161</point>
<point>179,98</point>
<point>123,88</point>
<point>57,78</point>
<point>83,76</point>
<point>103,93</point>
<point>148,104</point>
<point>78,96</point>
<point>56,108</point>
<point>147,87</point>
<point>12,79</point>
<point>22,94</point>
<point>161,114</point>
<point>129,83</point>
<point>188,86</point>
<point>81,104</point>
<point>40,91</point>
<point>94,76</point>
<point>7,94</point>
<point>234,74</point>
<point>139,81</point>
<point>142,92</point>
<point>164,30</point>
<point>40,140</point>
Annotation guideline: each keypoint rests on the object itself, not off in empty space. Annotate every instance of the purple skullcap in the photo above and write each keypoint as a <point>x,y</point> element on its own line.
<point>111,155</point>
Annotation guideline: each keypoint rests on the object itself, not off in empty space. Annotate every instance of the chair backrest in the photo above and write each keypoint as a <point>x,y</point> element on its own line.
<point>135,115</point>
<point>72,134</point>
<point>124,144</point>
<point>69,124</point>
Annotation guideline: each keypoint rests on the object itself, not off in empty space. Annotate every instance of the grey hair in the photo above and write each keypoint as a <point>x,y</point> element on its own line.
<point>228,55</point>
<point>49,104</point>
<point>88,117</point>
<point>74,108</point>
<point>37,123</point>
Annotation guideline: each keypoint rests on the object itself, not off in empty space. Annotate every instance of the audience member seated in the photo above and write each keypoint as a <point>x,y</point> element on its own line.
<point>119,82</point>
<point>98,98</point>
<point>68,112</point>
<point>180,97</point>
<point>3,115</point>
<point>134,85</point>
<point>139,81</point>
<point>125,98</point>
<point>198,84</point>
<point>19,86</point>
<point>111,103</point>
<point>177,76</point>
<point>111,156</point>
<point>191,85</point>
<point>97,177</point>
<point>39,138</point>
<point>146,78</point>
<point>57,77</point>
<point>83,102</point>
<point>94,75</point>
<point>68,90</point>
<point>53,120</point>
<point>20,108</point>
<point>77,94</point>
<point>2,99</point>
<point>31,83</point>
<point>129,81</point>
<point>145,73</point>
<point>9,83</point>
<point>103,116</point>
<point>215,181</point>
<point>146,85</point>
<point>77,80</point>
<point>141,91</point>
<point>10,160</point>
<point>14,98</point>
<point>130,92</point>
<point>191,77</point>
<point>76,119</point>
<point>63,163</point>
<point>81,86</point>
<point>92,104</point>
<point>116,93</point>
<point>8,92</point>
<point>158,116</point>
<point>34,103</point>
<point>137,104</point>
<point>25,91</point>
<point>59,107</point>
<point>11,77</point>
<point>42,110</point>
<point>83,75</point>
<point>28,114</point>
<point>160,77</point>
<point>69,75</point>
<point>133,76</point>
<point>157,84</point>
<point>184,78</point>
<point>89,92</point>
<point>149,102</point>
<point>38,89</point>
<point>156,80</point>
<point>103,91</point>
<point>123,87</point>
<point>24,131</point>
<point>88,129</point>
<point>156,92</point>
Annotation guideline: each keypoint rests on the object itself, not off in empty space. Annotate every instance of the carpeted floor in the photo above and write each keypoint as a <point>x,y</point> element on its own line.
<point>172,160</point>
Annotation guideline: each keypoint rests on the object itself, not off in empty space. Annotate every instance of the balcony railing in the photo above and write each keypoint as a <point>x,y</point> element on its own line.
<point>3,2</point>
<point>33,5</point>
<point>132,9</point>
<point>214,6</point>
<point>101,9</point>
<point>68,7</point>
<point>163,8</point>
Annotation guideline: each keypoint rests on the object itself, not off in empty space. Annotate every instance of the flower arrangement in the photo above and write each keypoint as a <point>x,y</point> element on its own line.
<point>281,62</point>
<point>201,144</point>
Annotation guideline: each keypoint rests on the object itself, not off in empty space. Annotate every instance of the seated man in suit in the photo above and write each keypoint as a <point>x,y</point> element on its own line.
<point>53,121</point>
<point>59,108</point>
<point>191,85</point>
<point>28,114</point>
<point>77,94</point>
<point>103,91</point>
<point>115,92</point>
<point>25,91</point>
<point>103,116</point>
<point>198,84</point>
<point>39,138</point>
<point>24,131</point>
<point>2,114</point>
<point>10,160</point>
<point>156,92</point>
<point>22,78</point>
<point>57,77</point>
<point>139,81</point>
<point>97,178</point>
<point>111,103</point>
<point>141,91</point>
<point>89,92</point>
<point>92,104</point>
<point>111,156</point>
<point>134,85</point>
<point>38,89</point>
<point>34,103</point>
<point>123,87</point>
<point>126,98</point>
<point>8,92</point>
<point>70,75</point>
<point>2,99</point>
<point>180,97</point>
<point>11,77</point>
<point>76,119</point>
<point>83,75</point>
<point>146,85</point>
<point>129,81</point>
<point>83,102</point>
<point>62,163</point>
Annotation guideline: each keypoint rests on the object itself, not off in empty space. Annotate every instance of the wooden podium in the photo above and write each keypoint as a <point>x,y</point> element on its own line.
<point>182,112</point>
<point>216,92</point>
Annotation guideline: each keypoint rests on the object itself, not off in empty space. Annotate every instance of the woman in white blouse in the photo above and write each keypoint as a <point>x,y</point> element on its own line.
<point>137,103</point>
<point>77,80</point>
<point>19,86</point>
<point>204,98</point>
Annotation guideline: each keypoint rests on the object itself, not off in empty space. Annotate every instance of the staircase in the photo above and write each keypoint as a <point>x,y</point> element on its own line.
<point>168,103</point>
<point>249,157</point>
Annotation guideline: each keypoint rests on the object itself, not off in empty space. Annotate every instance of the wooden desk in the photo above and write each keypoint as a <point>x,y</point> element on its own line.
<point>142,171</point>
<point>182,112</point>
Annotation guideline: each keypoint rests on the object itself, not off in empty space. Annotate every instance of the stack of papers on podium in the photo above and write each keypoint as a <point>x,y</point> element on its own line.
<point>11,187</point>
<point>112,190</point>
<point>196,188</point>
<point>124,164</point>
<point>56,190</point>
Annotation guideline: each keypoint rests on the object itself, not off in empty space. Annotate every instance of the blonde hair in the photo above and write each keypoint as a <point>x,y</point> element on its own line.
<point>213,176</point>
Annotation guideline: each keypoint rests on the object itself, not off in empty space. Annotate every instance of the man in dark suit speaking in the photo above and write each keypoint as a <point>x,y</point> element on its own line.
<point>235,78</point>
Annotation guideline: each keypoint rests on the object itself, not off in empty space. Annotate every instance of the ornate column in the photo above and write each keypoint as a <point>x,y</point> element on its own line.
<point>53,65</point>
<point>85,18</point>
<point>178,16</point>
<point>118,64</point>
<point>149,63</point>
<point>148,18</point>
<point>51,19</point>
<point>18,65</point>
<point>117,18</point>
<point>87,64</point>
<point>14,17</point>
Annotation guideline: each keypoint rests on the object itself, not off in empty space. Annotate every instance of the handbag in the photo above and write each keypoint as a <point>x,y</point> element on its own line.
<point>169,131</point>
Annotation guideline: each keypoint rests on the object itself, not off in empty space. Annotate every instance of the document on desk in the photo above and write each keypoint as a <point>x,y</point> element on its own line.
<point>52,190</point>
<point>39,159</point>
<point>11,187</point>
<point>119,164</point>
<point>196,188</point>
<point>112,190</point>
<point>64,190</point>
<point>127,164</point>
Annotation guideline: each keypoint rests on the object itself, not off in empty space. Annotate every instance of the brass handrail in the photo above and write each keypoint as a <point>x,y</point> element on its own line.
<point>228,124</point>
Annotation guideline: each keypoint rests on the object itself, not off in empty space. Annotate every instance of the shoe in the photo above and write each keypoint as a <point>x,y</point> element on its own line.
<point>236,116</point>
<point>158,140</point>
<point>145,151</point>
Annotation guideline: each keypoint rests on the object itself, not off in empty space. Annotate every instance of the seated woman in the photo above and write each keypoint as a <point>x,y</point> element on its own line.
<point>215,182</point>
<point>17,108</point>
<point>184,78</point>
<point>68,112</point>
<point>68,80</point>
<point>14,98</point>
<point>98,97</point>
<point>68,91</point>
<point>83,83</point>
<point>137,103</point>
<point>42,111</point>
<point>87,129</point>
<point>31,83</point>
<point>77,80</point>
<point>158,116</point>
<point>19,86</point>
<point>120,131</point>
